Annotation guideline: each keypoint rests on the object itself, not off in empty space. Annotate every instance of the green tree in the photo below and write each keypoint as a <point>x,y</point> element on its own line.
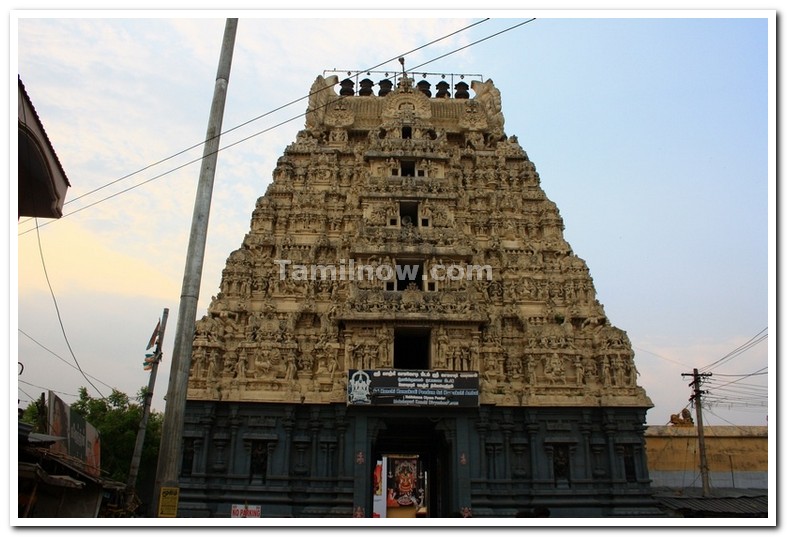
<point>117,420</point>
<point>35,415</point>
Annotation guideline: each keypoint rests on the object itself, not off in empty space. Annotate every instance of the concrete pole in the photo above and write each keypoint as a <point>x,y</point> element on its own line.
<point>172,428</point>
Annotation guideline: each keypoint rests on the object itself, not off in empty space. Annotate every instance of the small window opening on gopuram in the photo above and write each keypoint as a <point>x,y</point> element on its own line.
<point>411,348</point>
<point>408,213</point>
<point>410,275</point>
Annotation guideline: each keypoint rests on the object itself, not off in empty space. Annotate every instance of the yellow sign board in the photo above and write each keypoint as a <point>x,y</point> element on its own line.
<point>168,502</point>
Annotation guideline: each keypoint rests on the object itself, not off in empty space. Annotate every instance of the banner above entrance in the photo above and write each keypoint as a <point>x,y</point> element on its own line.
<point>405,387</point>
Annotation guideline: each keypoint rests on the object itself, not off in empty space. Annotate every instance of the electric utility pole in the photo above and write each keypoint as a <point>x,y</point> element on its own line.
<point>172,428</point>
<point>697,399</point>
<point>158,339</point>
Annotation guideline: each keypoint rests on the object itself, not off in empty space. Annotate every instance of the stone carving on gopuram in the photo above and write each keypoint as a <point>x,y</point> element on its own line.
<point>374,183</point>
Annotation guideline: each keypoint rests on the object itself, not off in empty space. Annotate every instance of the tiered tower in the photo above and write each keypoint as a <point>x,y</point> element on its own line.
<point>407,232</point>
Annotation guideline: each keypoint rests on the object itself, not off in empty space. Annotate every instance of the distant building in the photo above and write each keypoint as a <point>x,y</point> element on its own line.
<point>737,456</point>
<point>59,471</point>
<point>738,470</point>
<point>42,181</point>
<point>405,332</point>
<point>51,485</point>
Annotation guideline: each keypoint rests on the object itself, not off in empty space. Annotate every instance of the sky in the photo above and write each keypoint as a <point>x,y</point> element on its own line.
<point>650,131</point>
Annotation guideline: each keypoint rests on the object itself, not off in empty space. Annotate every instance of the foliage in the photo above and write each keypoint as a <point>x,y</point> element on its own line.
<point>35,415</point>
<point>117,420</point>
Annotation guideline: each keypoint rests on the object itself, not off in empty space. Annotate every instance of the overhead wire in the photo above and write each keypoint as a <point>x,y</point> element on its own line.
<point>754,340</point>
<point>741,377</point>
<point>725,420</point>
<point>742,397</point>
<point>473,43</point>
<point>57,310</point>
<point>736,392</point>
<point>37,226</point>
<point>69,364</point>
<point>280,123</point>
<point>740,388</point>
<point>47,389</point>
<point>660,356</point>
<point>27,394</point>
<point>51,290</point>
<point>236,127</point>
<point>736,386</point>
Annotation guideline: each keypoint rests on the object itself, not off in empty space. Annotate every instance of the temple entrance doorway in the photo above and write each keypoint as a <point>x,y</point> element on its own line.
<point>412,473</point>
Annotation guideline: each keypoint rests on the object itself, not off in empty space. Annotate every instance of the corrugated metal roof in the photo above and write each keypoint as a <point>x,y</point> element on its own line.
<point>34,471</point>
<point>732,506</point>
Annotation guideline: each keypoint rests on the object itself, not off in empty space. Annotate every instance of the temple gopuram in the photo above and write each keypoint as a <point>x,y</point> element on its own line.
<point>404,331</point>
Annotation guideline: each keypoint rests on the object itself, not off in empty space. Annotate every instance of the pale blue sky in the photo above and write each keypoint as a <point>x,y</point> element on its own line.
<point>651,136</point>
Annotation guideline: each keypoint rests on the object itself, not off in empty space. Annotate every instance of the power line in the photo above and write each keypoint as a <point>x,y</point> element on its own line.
<point>736,393</point>
<point>739,384</point>
<point>236,127</point>
<point>69,364</point>
<point>274,126</point>
<point>660,356</point>
<point>726,421</point>
<point>740,388</point>
<point>743,395</point>
<point>426,45</point>
<point>755,339</point>
<point>57,310</point>
<point>27,394</point>
<point>473,43</point>
<point>758,372</point>
<point>743,408</point>
<point>47,389</point>
<point>730,401</point>
<point>685,464</point>
<point>140,170</point>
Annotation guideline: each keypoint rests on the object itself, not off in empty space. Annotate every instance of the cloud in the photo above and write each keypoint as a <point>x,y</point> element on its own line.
<point>672,234</point>
<point>79,262</point>
<point>663,363</point>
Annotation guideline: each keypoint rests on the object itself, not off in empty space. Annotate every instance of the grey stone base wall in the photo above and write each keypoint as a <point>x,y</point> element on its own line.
<point>318,460</point>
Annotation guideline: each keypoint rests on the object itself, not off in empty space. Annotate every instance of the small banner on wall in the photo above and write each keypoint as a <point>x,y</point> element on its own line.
<point>404,387</point>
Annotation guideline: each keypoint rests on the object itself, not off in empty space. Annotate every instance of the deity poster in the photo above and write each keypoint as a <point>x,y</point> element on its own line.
<point>404,482</point>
